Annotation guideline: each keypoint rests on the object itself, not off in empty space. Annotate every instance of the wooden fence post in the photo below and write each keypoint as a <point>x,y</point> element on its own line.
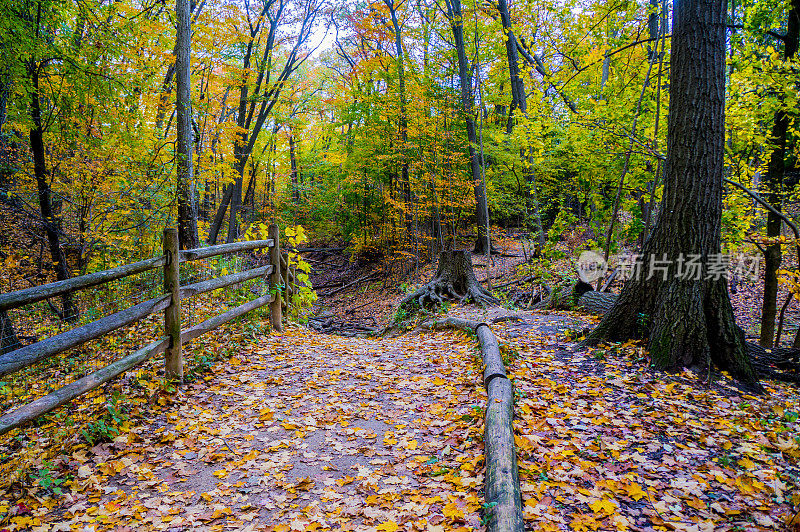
<point>173,357</point>
<point>276,312</point>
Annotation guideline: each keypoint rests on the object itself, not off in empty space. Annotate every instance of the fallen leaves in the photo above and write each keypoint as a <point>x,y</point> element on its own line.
<point>604,444</point>
<point>291,437</point>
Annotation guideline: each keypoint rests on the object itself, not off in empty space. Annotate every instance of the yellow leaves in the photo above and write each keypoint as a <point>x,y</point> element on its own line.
<point>221,473</point>
<point>387,526</point>
<point>603,507</point>
<point>697,504</point>
<point>411,445</point>
<point>452,512</point>
<point>221,512</point>
<point>584,523</point>
<point>788,445</point>
<point>303,484</point>
<point>300,525</point>
<point>266,414</point>
<point>634,491</point>
<point>345,481</point>
<point>389,439</point>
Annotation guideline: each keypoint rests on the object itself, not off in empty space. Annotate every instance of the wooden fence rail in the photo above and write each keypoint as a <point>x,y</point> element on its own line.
<point>170,344</point>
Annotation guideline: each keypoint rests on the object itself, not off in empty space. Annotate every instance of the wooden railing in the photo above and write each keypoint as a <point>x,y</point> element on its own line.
<point>169,344</point>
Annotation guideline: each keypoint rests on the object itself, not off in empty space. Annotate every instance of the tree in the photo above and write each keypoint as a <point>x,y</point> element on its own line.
<point>688,319</point>
<point>187,207</point>
<point>39,21</point>
<point>519,100</point>
<point>776,168</point>
<point>258,97</point>
<point>456,20</point>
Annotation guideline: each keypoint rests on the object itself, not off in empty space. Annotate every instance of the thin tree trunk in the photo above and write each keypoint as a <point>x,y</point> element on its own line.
<point>776,169</point>
<point>187,208</point>
<point>457,27</point>
<point>293,164</point>
<point>50,221</point>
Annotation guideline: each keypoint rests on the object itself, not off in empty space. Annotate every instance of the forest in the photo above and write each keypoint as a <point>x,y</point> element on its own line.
<point>481,265</point>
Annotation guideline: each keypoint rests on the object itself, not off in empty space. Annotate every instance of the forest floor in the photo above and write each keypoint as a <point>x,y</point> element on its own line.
<point>304,431</point>
<point>372,297</point>
<point>307,431</point>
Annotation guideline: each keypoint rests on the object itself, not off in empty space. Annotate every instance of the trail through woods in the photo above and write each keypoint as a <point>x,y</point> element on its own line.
<point>304,431</point>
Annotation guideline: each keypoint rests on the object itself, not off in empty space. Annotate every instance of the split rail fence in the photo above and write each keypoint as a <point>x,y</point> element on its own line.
<point>170,303</point>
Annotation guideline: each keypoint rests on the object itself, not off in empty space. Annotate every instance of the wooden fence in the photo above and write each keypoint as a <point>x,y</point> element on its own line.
<point>169,344</point>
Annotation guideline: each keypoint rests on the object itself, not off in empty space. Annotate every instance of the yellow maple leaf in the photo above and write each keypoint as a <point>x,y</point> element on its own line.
<point>603,507</point>
<point>746,463</point>
<point>453,512</point>
<point>387,526</point>
<point>635,491</point>
<point>412,445</point>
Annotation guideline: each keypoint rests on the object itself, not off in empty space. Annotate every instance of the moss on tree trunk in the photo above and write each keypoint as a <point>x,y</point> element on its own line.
<point>686,314</point>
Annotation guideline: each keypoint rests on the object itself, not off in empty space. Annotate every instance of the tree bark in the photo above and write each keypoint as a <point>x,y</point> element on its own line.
<point>50,221</point>
<point>688,318</point>
<point>187,208</point>
<point>293,163</point>
<point>457,26</point>
<point>454,279</point>
<point>405,183</point>
<point>776,169</point>
<point>519,100</point>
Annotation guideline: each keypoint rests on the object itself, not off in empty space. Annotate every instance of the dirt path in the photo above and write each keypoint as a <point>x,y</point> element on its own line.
<point>303,432</point>
<point>312,432</point>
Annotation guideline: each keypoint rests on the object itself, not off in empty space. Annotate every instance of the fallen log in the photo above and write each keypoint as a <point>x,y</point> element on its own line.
<point>578,296</point>
<point>502,490</point>
<point>367,277</point>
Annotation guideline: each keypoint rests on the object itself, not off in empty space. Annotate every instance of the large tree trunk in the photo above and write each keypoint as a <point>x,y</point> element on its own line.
<point>776,169</point>
<point>454,279</point>
<point>187,209</point>
<point>688,319</point>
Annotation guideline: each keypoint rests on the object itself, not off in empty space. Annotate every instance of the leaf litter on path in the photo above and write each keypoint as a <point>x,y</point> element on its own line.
<point>302,432</point>
<point>311,432</point>
<point>606,444</point>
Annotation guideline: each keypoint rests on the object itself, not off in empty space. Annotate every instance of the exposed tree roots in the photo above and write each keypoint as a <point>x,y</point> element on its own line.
<point>781,364</point>
<point>454,281</point>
